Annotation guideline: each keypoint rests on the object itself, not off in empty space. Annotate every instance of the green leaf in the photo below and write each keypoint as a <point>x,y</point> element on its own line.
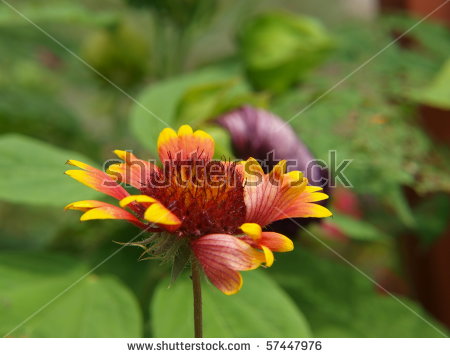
<point>92,307</point>
<point>437,93</point>
<point>401,206</point>
<point>208,101</point>
<point>159,102</point>
<point>201,102</point>
<point>120,53</point>
<point>278,49</point>
<point>33,173</point>
<point>433,214</point>
<point>28,108</point>
<point>260,309</point>
<point>61,13</point>
<point>338,301</point>
<point>358,229</point>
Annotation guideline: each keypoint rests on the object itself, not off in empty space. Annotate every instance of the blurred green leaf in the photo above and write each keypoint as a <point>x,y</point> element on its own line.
<point>207,101</point>
<point>181,13</point>
<point>433,216</point>
<point>55,12</point>
<point>279,49</point>
<point>33,173</point>
<point>202,102</point>
<point>93,307</point>
<point>34,112</point>
<point>338,301</point>
<point>358,229</point>
<point>437,93</point>
<point>260,309</point>
<point>400,204</point>
<point>41,229</point>
<point>120,53</point>
<point>158,103</point>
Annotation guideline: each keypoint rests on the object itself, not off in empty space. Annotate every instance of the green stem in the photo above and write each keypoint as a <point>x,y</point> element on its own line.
<point>197,291</point>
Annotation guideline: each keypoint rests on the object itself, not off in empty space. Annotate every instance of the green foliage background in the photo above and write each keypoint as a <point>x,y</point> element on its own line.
<point>117,72</point>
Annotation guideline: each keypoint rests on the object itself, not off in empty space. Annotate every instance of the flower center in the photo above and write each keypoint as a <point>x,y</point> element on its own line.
<point>208,196</point>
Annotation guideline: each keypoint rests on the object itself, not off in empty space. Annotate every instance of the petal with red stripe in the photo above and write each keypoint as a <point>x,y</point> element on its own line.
<point>276,196</point>
<point>222,256</point>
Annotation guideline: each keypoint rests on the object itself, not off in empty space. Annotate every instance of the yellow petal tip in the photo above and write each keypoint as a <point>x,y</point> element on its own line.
<point>136,198</point>
<point>268,254</point>
<point>159,214</point>
<point>166,135</point>
<point>185,130</point>
<point>251,229</point>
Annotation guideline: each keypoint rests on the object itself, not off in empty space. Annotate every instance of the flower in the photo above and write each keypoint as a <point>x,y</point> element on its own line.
<point>216,208</point>
<point>272,139</point>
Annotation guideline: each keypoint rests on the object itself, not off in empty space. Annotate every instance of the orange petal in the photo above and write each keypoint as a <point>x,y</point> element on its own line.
<point>96,179</point>
<point>108,212</point>
<point>185,145</point>
<point>167,136</point>
<point>84,166</point>
<point>301,209</point>
<point>136,198</point>
<point>312,189</point>
<point>99,210</point>
<point>279,169</point>
<point>276,242</point>
<point>311,197</point>
<point>252,172</point>
<point>134,171</point>
<point>265,201</point>
<point>125,155</point>
<point>276,196</point>
<point>159,214</point>
<point>85,205</point>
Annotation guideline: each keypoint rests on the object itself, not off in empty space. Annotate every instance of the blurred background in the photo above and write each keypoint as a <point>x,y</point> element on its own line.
<point>368,79</point>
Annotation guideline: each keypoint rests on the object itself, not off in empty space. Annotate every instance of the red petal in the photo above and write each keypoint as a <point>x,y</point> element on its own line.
<point>134,171</point>
<point>225,279</point>
<point>221,256</point>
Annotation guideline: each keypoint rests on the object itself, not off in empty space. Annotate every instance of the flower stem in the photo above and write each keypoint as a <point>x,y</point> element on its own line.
<point>197,291</point>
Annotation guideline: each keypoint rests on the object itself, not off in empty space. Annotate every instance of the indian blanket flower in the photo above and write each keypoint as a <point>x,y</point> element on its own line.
<point>215,209</point>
